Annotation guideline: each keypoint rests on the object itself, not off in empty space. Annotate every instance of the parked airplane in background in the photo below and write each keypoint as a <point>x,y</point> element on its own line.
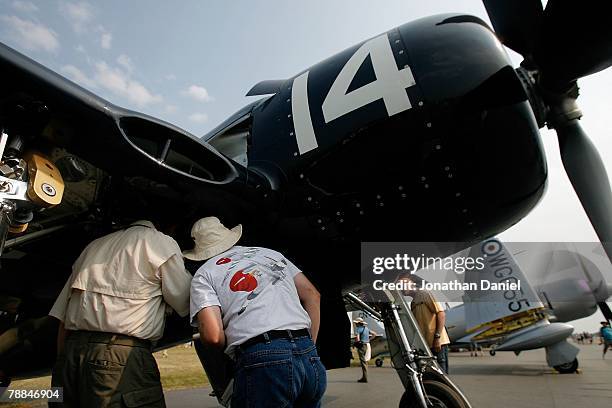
<point>559,283</point>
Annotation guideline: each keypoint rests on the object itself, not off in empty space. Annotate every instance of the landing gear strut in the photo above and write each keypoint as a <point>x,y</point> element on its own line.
<point>425,384</point>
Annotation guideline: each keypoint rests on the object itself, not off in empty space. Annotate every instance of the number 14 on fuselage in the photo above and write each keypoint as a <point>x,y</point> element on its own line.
<point>390,86</point>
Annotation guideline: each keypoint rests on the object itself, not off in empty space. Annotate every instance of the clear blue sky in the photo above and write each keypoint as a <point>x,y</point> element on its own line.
<point>191,62</point>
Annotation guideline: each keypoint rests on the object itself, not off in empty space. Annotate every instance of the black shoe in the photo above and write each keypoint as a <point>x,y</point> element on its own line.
<point>362,380</point>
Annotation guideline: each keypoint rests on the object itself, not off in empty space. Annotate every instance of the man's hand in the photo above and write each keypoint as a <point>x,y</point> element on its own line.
<point>436,345</point>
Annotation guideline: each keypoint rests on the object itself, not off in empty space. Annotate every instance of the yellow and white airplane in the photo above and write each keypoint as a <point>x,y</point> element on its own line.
<point>560,282</point>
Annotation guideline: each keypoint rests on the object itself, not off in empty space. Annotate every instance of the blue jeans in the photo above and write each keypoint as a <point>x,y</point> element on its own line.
<point>442,358</point>
<point>279,373</point>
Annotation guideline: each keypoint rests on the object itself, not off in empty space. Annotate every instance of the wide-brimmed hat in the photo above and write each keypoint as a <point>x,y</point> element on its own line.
<point>211,238</point>
<point>359,320</point>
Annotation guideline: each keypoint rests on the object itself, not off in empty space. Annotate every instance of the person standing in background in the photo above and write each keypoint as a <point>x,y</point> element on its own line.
<point>362,343</point>
<point>431,318</point>
<point>606,337</point>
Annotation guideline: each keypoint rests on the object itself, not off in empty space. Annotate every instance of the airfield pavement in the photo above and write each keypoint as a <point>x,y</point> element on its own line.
<point>501,381</point>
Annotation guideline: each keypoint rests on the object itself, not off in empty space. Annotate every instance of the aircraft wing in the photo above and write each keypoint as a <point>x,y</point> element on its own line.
<point>37,100</point>
<point>470,337</point>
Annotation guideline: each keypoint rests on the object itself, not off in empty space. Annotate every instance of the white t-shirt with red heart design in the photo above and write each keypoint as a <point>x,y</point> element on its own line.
<point>255,290</point>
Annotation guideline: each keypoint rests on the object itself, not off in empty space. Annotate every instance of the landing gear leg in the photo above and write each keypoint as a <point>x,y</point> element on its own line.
<point>424,382</point>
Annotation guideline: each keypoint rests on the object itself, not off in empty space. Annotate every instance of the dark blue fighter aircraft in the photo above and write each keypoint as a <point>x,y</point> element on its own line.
<point>423,133</point>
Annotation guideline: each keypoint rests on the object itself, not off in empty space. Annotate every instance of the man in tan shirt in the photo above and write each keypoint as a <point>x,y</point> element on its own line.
<point>431,318</point>
<point>111,309</point>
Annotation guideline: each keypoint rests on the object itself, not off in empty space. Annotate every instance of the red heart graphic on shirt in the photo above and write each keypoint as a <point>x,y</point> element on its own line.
<point>223,261</point>
<point>243,282</point>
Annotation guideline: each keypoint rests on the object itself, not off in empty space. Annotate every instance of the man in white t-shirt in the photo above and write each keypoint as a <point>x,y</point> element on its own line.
<point>263,311</point>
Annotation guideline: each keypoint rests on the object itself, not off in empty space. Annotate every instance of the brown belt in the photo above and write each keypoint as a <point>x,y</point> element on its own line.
<point>109,338</point>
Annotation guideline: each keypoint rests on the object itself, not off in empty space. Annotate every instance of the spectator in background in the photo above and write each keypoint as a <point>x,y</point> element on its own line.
<point>431,318</point>
<point>362,343</point>
<point>606,337</point>
<point>475,348</point>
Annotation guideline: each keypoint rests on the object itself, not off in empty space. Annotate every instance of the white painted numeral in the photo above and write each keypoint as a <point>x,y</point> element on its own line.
<point>302,122</point>
<point>390,86</point>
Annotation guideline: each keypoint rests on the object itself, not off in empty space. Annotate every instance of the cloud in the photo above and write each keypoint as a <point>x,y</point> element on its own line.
<point>79,14</point>
<point>120,83</point>
<point>198,117</point>
<point>29,35</point>
<point>171,109</point>
<point>126,63</point>
<point>117,81</point>
<point>105,40</point>
<point>198,93</point>
<point>24,6</point>
<point>78,76</point>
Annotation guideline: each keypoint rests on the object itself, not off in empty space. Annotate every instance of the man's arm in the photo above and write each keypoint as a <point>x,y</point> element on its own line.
<point>436,308</point>
<point>61,338</point>
<point>59,312</point>
<point>311,301</point>
<point>440,321</point>
<point>175,284</point>
<point>210,327</point>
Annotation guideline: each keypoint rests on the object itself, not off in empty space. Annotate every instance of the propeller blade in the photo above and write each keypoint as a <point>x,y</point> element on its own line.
<point>574,41</point>
<point>605,310</point>
<point>588,176</point>
<point>516,22</point>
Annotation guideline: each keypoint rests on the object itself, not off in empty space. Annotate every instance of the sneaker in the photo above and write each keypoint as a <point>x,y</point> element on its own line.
<point>362,380</point>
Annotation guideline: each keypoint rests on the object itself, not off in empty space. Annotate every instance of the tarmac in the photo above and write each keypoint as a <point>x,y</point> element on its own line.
<point>504,380</point>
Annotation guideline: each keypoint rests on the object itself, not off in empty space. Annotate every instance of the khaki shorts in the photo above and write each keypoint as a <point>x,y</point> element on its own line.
<point>107,370</point>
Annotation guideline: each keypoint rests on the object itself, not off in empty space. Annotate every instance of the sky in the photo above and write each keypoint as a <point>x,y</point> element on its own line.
<point>191,63</point>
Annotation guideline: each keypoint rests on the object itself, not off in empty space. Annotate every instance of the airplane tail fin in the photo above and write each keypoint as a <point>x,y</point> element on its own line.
<point>499,310</point>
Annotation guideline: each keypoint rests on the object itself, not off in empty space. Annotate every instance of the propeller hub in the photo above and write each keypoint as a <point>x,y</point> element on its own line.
<point>539,108</point>
<point>562,106</point>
